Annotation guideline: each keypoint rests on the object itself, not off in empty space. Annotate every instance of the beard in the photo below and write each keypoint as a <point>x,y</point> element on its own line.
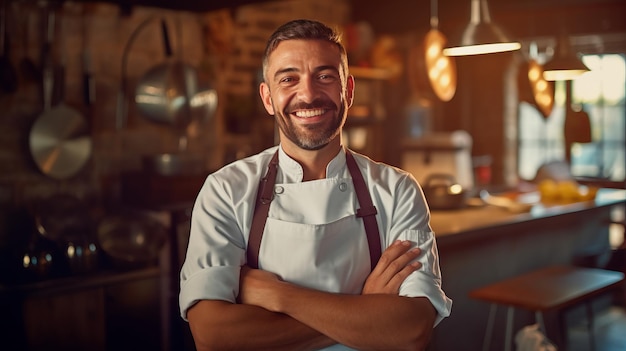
<point>312,136</point>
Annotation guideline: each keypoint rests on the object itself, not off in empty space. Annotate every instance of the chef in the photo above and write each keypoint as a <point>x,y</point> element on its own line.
<point>308,245</point>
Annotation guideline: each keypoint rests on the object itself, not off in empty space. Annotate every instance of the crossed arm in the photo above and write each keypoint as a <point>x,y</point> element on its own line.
<point>276,315</point>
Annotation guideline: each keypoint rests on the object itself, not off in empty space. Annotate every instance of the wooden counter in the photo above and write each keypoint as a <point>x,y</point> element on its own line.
<point>449,225</point>
<point>483,245</point>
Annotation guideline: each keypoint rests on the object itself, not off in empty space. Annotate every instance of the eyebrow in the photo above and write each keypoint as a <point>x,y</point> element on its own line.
<point>317,69</point>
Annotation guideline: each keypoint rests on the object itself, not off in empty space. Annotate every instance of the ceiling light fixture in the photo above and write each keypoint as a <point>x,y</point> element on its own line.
<point>441,69</point>
<point>565,65</point>
<point>481,36</point>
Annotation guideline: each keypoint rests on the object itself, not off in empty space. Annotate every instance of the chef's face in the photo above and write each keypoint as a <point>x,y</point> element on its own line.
<point>307,91</point>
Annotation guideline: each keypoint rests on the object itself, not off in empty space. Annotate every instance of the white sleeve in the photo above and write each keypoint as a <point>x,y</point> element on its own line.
<point>410,221</point>
<point>216,249</point>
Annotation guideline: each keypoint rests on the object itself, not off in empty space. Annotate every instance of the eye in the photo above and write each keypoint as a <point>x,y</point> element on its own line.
<point>327,77</point>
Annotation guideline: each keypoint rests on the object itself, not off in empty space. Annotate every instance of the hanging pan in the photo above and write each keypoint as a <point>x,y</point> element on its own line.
<point>59,139</point>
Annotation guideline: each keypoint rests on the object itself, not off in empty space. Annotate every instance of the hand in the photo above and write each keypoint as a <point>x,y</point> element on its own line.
<point>255,286</point>
<point>395,264</point>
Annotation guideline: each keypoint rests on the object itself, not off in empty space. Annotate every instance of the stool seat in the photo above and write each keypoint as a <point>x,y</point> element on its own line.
<point>554,287</point>
<point>550,288</point>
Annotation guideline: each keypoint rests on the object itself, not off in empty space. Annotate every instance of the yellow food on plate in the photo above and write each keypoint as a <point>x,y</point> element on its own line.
<point>566,191</point>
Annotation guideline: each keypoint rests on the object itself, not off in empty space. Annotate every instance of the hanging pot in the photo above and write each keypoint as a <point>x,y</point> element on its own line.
<point>169,92</point>
<point>131,238</point>
<point>442,192</point>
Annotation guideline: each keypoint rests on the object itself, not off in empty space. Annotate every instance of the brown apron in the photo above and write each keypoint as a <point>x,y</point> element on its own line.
<point>265,195</point>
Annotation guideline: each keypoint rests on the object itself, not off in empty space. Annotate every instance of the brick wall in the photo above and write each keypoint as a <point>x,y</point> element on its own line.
<point>225,46</point>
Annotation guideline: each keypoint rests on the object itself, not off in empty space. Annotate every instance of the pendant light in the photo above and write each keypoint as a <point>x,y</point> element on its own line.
<point>565,65</point>
<point>441,69</point>
<point>481,36</point>
<point>532,86</point>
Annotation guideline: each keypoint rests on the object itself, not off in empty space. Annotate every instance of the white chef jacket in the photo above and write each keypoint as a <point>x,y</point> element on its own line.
<point>312,236</point>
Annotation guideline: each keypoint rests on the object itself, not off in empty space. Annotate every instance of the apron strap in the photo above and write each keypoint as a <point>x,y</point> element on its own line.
<point>265,195</point>
<point>367,211</point>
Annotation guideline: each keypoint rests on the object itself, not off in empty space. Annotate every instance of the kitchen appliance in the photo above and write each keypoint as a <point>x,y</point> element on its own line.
<point>440,153</point>
<point>442,192</point>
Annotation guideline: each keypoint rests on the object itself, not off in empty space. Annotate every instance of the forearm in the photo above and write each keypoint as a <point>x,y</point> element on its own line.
<point>365,322</point>
<point>220,325</point>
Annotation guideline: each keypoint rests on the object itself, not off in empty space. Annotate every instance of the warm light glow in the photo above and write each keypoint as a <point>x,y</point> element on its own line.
<point>541,90</point>
<point>605,80</point>
<point>565,64</point>
<point>534,73</point>
<point>455,189</point>
<point>441,69</point>
<point>563,74</point>
<point>541,85</point>
<point>481,49</point>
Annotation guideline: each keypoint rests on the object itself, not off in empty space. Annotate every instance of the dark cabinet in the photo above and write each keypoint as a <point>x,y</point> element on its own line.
<point>99,312</point>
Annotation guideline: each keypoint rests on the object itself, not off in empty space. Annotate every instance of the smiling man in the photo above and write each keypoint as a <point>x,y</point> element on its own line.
<point>308,245</point>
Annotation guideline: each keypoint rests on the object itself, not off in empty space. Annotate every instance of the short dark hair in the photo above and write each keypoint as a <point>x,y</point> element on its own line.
<point>307,30</point>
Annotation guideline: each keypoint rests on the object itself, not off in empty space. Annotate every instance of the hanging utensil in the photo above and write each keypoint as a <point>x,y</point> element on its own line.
<point>29,70</point>
<point>59,139</point>
<point>163,93</point>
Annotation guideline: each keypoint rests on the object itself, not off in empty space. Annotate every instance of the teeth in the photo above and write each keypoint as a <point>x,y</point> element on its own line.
<point>310,113</point>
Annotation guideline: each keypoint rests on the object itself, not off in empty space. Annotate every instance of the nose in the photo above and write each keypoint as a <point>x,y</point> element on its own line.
<point>308,90</point>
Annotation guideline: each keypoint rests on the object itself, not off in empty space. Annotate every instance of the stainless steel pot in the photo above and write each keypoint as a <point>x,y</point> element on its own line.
<point>442,192</point>
<point>170,92</point>
<point>131,239</point>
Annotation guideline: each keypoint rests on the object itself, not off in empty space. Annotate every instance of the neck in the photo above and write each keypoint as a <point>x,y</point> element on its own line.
<point>313,162</point>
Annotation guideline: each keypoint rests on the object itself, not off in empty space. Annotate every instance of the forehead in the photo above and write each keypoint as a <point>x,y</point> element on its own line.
<point>301,54</point>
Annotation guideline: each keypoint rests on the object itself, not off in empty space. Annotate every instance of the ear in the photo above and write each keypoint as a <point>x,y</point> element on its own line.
<point>266,97</point>
<point>350,91</point>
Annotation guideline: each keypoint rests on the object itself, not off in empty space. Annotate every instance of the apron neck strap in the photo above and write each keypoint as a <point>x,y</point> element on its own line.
<point>264,196</point>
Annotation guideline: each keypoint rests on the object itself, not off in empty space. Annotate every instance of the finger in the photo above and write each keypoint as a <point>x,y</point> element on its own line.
<point>397,261</point>
<point>396,281</point>
<point>392,252</point>
<point>401,264</point>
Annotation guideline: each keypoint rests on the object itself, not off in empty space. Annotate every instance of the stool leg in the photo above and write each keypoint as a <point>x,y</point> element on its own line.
<point>489,330</point>
<point>590,326</point>
<point>563,330</point>
<point>509,328</point>
<point>539,320</point>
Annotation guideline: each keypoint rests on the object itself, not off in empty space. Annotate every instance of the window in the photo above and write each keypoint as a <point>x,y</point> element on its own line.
<point>600,93</point>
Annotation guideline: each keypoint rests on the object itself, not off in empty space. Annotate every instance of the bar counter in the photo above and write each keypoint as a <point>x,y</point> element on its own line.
<point>480,245</point>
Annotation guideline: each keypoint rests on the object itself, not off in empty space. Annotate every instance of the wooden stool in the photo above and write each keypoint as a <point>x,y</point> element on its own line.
<point>551,288</point>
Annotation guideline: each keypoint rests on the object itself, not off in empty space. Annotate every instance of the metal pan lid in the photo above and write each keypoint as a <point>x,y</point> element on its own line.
<point>60,143</point>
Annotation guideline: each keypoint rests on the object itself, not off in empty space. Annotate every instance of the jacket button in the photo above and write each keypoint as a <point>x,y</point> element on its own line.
<point>343,186</point>
<point>279,190</point>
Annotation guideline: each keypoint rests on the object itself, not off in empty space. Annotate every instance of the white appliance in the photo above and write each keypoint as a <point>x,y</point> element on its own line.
<point>448,153</point>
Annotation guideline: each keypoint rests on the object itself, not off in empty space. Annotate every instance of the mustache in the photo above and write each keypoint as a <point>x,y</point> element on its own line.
<point>315,104</point>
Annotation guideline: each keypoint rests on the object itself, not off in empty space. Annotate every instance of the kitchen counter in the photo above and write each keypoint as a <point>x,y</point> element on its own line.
<point>480,245</point>
<point>478,221</point>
